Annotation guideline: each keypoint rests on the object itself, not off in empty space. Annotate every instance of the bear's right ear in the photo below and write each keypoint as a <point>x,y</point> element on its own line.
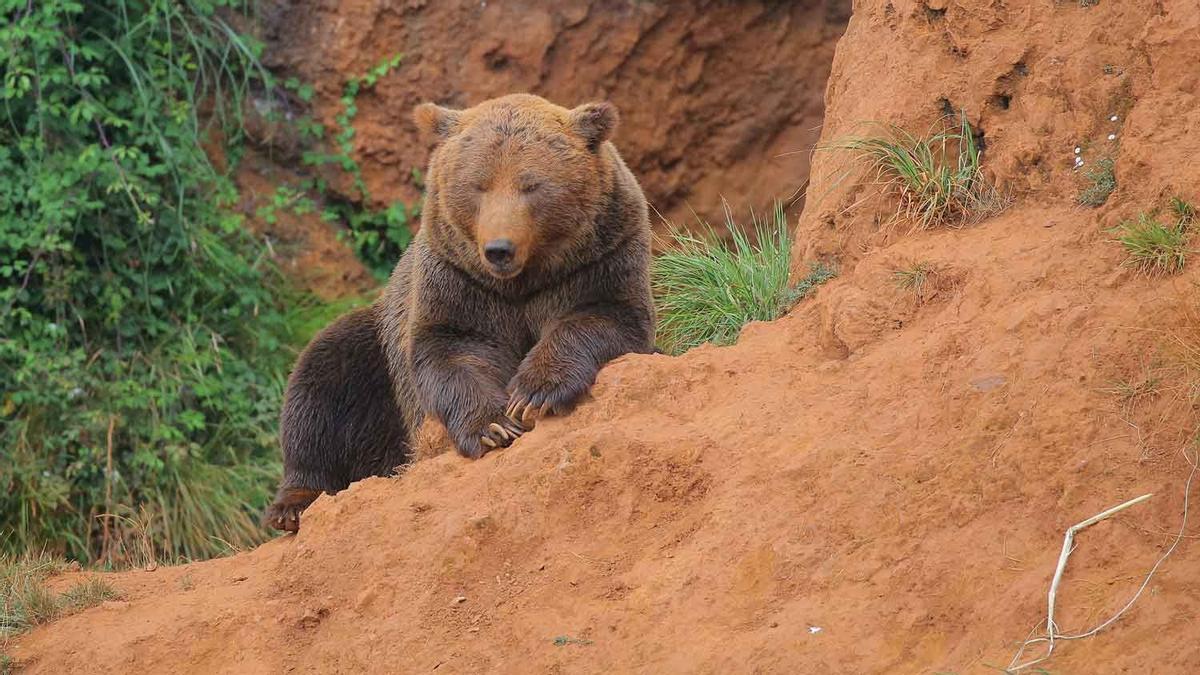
<point>434,120</point>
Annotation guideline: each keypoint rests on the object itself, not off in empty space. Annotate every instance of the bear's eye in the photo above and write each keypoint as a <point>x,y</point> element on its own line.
<point>529,187</point>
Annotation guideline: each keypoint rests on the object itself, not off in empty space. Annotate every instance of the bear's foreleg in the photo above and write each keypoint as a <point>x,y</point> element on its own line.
<point>562,366</point>
<point>459,379</point>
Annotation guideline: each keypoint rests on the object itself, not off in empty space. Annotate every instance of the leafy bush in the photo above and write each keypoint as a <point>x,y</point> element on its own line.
<point>141,353</point>
<point>706,290</point>
<point>938,176</point>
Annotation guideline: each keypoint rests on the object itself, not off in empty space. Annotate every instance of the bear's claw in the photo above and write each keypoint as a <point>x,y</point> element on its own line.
<point>501,434</point>
<point>527,409</point>
<point>285,518</point>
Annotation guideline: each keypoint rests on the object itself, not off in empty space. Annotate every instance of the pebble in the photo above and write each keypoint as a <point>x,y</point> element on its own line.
<point>460,599</point>
<point>1078,149</point>
<point>1113,118</point>
<point>1112,137</point>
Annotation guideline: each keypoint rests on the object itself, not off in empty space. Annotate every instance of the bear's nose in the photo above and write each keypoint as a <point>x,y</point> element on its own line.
<point>499,252</point>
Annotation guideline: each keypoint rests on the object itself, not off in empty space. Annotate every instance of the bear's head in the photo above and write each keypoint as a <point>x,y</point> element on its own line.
<point>516,183</point>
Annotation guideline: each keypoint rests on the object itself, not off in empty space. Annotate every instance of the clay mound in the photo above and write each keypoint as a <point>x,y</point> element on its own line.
<point>709,513</point>
<point>878,482</point>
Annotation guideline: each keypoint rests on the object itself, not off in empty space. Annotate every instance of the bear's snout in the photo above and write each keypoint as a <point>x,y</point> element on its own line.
<point>505,233</point>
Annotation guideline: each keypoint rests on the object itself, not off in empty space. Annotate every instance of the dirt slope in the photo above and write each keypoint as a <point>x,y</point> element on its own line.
<point>894,471</point>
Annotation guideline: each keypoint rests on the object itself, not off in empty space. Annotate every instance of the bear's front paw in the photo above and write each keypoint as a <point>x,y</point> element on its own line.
<point>529,401</point>
<point>498,434</point>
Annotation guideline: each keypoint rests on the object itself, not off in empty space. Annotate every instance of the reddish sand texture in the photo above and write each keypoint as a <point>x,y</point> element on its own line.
<point>877,483</point>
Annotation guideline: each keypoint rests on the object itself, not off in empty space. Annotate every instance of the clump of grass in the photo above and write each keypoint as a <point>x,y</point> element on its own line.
<point>1154,247</point>
<point>914,278</point>
<point>937,177</point>
<point>706,290</point>
<point>1101,181</point>
<point>1184,212</point>
<point>25,601</point>
<point>86,594</point>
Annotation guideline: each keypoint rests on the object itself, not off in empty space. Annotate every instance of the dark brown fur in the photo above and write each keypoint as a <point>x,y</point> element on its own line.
<point>457,336</point>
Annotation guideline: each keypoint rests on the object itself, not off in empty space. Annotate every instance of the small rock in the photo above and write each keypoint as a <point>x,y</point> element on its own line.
<point>1114,118</point>
<point>460,599</point>
<point>988,383</point>
<point>1078,149</point>
<point>814,629</point>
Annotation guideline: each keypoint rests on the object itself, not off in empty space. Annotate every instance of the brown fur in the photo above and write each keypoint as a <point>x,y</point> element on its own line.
<point>464,338</point>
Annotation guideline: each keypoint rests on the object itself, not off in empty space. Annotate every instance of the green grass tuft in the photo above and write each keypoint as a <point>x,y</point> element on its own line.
<point>706,290</point>
<point>914,278</point>
<point>25,601</point>
<point>1154,248</point>
<point>1184,212</point>
<point>86,594</point>
<point>937,177</point>
<point>1102,180</point>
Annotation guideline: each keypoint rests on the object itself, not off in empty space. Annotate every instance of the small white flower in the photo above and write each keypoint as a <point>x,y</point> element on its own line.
<point>1112,137</point>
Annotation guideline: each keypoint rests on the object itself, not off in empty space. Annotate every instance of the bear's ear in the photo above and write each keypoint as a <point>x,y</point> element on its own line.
<point>595,122</point>
<point>436,121</point>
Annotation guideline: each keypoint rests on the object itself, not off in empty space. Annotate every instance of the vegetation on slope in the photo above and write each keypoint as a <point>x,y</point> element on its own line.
<point>707,289</point>
<point>141,327</point>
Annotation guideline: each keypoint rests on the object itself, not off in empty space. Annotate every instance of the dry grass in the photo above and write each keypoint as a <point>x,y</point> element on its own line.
<point>26,601</point>
<point>915,278</point>
<point>937,177</point>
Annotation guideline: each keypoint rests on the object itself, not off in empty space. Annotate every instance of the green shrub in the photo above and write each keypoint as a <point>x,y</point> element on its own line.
<point>706,290</point>
<point>141,331</point>
<point>937,177</point>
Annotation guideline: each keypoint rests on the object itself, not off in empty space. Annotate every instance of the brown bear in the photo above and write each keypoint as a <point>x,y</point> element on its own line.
<point>529,273</point>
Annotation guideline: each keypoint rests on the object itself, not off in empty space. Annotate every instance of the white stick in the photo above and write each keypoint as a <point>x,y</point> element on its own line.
<point>1068,540</point>
<point>1066,552</point>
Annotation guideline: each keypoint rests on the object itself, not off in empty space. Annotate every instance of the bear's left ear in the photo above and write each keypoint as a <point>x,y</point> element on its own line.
<point>434,120</point>
<point>595,122</point>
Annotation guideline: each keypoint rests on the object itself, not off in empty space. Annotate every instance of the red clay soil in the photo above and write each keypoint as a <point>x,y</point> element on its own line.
<point>877,483</point>
<point>305,247</point>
